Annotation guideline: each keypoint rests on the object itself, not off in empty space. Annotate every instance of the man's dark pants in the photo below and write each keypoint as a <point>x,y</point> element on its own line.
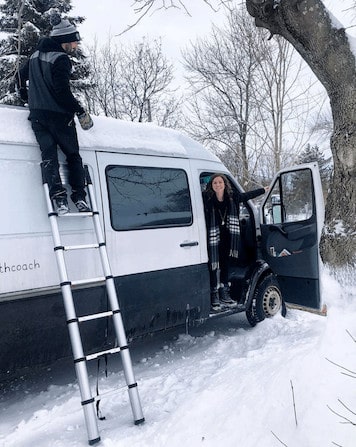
<point>53,130</point>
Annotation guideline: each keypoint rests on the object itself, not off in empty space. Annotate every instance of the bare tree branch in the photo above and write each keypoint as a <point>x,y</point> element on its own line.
<point>143,7</point>
<point>295,412</point>
<point>19,28</point>
<point>346,420</point>
<point>285,445</point>
<point>248,99</point>
<point>347,408</point>
<point>342,367</point>
<point>354,339</point>
<point>132,82</point>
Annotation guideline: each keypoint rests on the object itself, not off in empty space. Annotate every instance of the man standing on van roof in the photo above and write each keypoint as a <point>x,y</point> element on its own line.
<point>52,109</point>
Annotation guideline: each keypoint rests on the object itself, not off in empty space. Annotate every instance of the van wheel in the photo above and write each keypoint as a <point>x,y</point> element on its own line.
<point>267,301</point>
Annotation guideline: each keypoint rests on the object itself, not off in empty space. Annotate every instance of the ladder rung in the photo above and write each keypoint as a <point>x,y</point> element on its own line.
<point>79,282</point>
<point>99,354</point>
<point>83,214</point>
<point>80,247</point>
<point>109,313</point>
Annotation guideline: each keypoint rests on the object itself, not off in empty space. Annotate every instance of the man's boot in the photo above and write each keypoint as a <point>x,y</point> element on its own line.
<point>61,205</point>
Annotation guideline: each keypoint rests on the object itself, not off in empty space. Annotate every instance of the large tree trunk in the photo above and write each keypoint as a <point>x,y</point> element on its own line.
<point>306,24</point>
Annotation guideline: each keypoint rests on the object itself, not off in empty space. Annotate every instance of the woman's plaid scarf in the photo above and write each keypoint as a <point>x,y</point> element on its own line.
<point>233,225</point>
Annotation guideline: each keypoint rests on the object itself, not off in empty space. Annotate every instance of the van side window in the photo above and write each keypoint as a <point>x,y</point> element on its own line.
<point>145,197</point>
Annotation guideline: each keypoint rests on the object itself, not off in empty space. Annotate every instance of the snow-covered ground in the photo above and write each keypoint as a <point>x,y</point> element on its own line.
<point>223,384</point>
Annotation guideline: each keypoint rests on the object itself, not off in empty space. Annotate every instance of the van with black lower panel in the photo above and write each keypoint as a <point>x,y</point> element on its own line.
<point>148,184</point>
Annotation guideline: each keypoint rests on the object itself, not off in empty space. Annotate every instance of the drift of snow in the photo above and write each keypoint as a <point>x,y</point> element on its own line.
<point>224,383</point>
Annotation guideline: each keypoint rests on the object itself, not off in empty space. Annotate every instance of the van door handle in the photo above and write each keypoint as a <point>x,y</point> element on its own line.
<point>189,244</point>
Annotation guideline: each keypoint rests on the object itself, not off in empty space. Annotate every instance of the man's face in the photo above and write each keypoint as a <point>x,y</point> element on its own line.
<point>70,47</point>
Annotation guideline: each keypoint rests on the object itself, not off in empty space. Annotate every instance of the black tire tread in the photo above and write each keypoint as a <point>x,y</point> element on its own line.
<point>255,313</point>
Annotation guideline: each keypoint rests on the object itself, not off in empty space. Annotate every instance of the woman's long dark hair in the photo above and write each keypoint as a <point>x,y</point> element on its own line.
<point>209,187</point>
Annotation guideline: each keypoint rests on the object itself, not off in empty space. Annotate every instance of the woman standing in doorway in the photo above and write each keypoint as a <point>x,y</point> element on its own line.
<point>222,209</point>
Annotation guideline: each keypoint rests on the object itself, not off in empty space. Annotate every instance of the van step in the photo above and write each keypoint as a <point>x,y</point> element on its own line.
<point>228,311</point>
<point>101,353</point>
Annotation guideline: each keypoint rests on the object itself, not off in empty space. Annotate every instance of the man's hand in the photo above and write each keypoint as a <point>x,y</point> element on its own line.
<point>85,121</point>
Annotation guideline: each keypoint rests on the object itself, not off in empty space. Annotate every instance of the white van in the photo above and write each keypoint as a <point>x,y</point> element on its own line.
<point>148,183</point>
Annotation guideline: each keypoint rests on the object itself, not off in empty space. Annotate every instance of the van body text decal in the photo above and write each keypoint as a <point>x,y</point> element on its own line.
<point>12,268</point>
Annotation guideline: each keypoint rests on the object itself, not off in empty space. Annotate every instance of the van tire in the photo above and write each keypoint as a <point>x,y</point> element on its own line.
<point>267,301</point>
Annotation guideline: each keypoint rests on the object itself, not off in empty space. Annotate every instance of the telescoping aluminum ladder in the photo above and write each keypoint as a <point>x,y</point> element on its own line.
<point>73,321</point>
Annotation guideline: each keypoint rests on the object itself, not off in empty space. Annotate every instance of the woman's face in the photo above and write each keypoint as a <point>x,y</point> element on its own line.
<point>218,185</point>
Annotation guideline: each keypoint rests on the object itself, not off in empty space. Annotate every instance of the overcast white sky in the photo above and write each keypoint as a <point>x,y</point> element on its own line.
<point>174,26</point>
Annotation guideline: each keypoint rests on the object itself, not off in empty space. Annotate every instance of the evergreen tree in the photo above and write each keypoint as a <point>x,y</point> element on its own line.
<point>313,153</point>
<point>24,22</point>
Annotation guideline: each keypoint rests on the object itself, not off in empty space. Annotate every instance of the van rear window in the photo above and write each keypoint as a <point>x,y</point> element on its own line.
<point>145,197</point>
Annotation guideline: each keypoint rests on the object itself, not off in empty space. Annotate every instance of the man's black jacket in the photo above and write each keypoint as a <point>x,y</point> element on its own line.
<point>48,70</point>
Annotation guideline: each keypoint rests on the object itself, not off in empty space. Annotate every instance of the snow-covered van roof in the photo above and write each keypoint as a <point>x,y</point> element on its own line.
<point>111,135</point>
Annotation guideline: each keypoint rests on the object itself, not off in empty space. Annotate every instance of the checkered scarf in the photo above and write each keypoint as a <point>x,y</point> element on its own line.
<point>232,224</point>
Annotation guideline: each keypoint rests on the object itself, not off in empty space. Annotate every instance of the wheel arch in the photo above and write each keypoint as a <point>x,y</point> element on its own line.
<point>254,312</point>
<point>260,270</point>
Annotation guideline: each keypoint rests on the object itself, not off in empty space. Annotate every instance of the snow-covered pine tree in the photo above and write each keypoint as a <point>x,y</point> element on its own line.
<point>23,22</point>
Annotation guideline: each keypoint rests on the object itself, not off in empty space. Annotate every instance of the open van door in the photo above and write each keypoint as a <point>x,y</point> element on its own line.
<point>292,217</point>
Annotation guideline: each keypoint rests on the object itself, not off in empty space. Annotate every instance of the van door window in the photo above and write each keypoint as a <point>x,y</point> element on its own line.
<point>291,199</point>
<point>145,197</point>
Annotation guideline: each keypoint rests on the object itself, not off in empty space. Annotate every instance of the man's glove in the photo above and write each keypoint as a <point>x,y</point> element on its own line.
<point>85,121</point>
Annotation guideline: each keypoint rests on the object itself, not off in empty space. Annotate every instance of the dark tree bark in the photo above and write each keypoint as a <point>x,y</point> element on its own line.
<point>307,25</point>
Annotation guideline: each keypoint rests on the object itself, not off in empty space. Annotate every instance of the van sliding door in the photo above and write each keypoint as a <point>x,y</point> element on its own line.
<point>152,235</point>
